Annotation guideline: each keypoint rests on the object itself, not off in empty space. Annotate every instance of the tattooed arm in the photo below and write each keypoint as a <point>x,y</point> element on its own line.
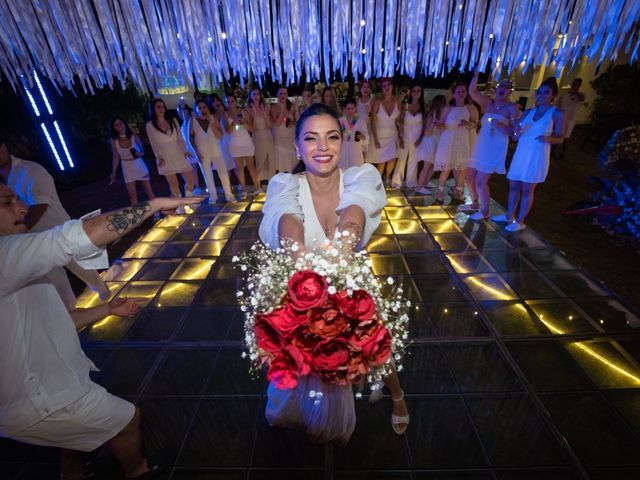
<point>110,226</point>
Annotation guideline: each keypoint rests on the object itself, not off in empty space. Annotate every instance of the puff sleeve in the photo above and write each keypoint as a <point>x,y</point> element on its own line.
<point>282,198</point>
<point>363,187</point>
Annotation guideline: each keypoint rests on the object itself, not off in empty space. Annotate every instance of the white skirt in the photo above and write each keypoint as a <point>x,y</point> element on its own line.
<point>133,170</point>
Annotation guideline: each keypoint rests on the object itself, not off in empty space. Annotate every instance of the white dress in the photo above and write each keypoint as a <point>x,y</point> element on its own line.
<point>184,131</point>
<point>387,135</point>
<point>407,155</point>
<point>209,147</point>
<point>265,153</point>
<point>332,417</point>
<point>352,152</point>
<point>427,149</point>
<point>530,162</point>
<point>241,143</point>
<point>364,111</point>
<point>283,142</point>
<point>132,168</point>
<point>453,148</point>
<point>490,151</point>
<point>169,147</point>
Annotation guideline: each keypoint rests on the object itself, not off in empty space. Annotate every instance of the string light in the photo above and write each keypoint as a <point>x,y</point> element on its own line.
<point>64,144</point>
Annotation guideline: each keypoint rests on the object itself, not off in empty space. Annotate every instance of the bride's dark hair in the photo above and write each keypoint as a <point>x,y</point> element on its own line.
<point>312,111</point>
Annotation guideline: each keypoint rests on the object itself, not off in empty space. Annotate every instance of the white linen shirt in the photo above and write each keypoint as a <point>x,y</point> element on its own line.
<point>42,366</point>
<point>34,185</point>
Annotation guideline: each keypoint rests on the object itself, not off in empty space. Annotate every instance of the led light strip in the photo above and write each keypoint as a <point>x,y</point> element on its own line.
<point>31,100</point>
<point>44,96</point>
<point>64,144</point>
<point>53,147</point>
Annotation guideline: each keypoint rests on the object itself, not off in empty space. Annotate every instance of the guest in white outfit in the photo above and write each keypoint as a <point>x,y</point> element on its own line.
<point>46,395</point>
<point>205,134</point>
<point>412,114</point>
<point>307,100</point>
<point>259,121</point>
<point>537,130</point>
<point>34,186</point>
<point>240,144</point>
<point>385,131</point>
<point>364,106</point>
<point>354,136</point>
<point>308,208</point>
<point>185,113</point>
<point>128,151</point>
<point>454,147</point>
<point>570,103</point>
<point>427,144</point>
<point>218,109</point>
<point>283,118</point>
<point>489,154</point>
<point>169,148</point>
<point>328,98</point>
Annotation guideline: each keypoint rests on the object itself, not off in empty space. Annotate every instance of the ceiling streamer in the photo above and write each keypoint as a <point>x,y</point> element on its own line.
<point>207,41</point>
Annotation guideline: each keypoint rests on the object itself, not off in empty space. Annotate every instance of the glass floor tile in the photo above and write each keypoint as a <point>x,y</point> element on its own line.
<point>520,366</point>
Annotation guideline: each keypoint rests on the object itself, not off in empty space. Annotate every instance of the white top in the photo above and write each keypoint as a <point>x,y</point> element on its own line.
<point>43,366</point>
<point>206,142</point>
<point>33,184</point>
<point>169,147</point>
<point>290,194</point>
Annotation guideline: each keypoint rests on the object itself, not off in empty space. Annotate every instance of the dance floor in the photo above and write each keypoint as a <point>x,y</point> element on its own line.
<point>521,366</point>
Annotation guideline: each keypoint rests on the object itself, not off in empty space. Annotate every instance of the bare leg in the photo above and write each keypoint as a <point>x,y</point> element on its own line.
<point>526,201</point>
<point>251,166</point>
<point>188,180</point>
<point>380,167</point>
<point>71,463</point>
<point>389,166</point>
<point>127,448</point>
<point>132,192</point>
<point>482,189</point>
<point>146,185</point>
<point>425,175</point>
<point>471,185</point>
<point>397,395</point>
<point>174,186</point>
<point>240,173</point>
<point>514,198</point>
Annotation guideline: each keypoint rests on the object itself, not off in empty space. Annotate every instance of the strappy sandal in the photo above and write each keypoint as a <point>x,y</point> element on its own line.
<point>440,195</point>
<point>399,423</point>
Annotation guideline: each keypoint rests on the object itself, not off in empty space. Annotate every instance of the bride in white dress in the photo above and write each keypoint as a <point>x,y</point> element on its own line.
<point>308,208</point>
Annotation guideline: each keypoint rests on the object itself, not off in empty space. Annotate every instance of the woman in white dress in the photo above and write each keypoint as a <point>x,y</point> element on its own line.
<point>127,149</point>
<point>185,112</point>
<point>355,136</point>
<point>385,131</point>
<point>489,154</point>
<point>427,144</point>
<point>412,114</point>
<point>240,144</point>
<point>205,133</point>
<point>364,106</point>
<point>328,98</point>
<point>308,208</point>
<point>283,118</point>
<point>537,130</point>
<point>454,149</point>
<point>169,148</point>
<point>259,121</point>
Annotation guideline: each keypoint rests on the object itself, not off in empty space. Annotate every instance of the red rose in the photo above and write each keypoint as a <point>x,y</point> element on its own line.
<point>357,367</point>
<point>377,350</point>
<point>307,289</point>
<point>305,341</point>
<point>267,337</point>
<point>327,321</point>
<point>287,367</point>
<point>284,320</point>
<point>363,332</point>
<point>330,355</point>
<point>359,306</point>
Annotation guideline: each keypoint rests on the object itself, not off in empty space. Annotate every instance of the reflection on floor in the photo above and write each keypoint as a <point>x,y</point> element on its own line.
<point>521,365</point>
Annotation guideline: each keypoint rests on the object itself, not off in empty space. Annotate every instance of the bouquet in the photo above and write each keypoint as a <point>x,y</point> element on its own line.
<point>323,313</point>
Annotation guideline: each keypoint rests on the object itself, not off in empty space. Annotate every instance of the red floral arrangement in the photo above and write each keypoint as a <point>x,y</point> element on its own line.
<point>337,337</point>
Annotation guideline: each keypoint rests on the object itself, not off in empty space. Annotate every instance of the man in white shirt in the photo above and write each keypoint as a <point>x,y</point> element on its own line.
<point>46,395</point>
<point>35,186</point>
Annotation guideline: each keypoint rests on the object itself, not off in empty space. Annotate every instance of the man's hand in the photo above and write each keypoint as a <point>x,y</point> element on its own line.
<point>125,307</point>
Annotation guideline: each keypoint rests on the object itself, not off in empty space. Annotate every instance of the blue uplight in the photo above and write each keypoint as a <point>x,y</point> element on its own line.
<point>52,146</point>
<point>64,144</point>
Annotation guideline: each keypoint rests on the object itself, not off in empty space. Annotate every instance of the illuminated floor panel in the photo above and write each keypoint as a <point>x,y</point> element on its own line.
<point>521,365</point>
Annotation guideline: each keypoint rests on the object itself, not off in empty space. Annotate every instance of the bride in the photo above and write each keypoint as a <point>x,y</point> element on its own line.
<point>308,207</point>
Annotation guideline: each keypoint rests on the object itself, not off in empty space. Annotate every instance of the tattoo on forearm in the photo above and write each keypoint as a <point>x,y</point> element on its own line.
<point>122,220</point>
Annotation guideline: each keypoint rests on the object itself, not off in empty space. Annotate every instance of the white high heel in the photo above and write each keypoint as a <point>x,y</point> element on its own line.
<point>399,423</point>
